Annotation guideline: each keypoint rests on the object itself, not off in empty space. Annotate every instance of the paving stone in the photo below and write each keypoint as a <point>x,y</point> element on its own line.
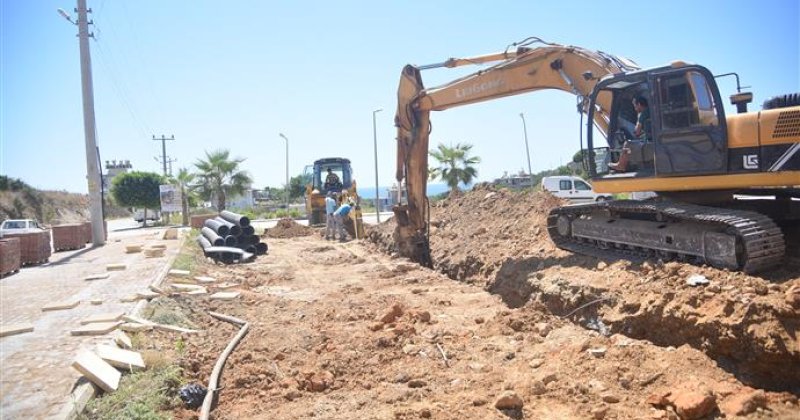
<point>158,246</point>
<point>196,292</point>
<point>133,249</point>
<point>134,327</point>
<point>147,294</point>
<point>225,295</point>
<point>97,328</point>
<point>107,317</point>
<point>97,370</point>
<point>96,301</point>
<point>116,267</point>
<point>205,280</point>
<point>187,287</point>
<point>226,285</point>
<point>117,357</point>
<point>97,276</point>
<point>121,339</point>
<point>130,298</point>
<point>14,329</point>
<point>179,273</point>
<point>171,233</point>
<point>56,306</point>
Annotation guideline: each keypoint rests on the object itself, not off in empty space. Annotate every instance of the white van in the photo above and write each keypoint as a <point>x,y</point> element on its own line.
<point>138,215</point>
<point>572,188</point>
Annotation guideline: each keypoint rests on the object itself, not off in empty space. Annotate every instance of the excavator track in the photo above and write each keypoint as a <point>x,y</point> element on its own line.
<point>725,238</point>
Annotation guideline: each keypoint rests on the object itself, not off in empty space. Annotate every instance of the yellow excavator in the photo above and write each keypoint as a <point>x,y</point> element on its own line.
<point>701,163</point>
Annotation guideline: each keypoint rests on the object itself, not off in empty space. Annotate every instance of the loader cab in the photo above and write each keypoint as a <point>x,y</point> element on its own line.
<point>688,134</point>
<point>340,167</point>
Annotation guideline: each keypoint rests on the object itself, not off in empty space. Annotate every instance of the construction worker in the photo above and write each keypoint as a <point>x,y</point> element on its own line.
<point>339,216</point>
<point>330,224</point>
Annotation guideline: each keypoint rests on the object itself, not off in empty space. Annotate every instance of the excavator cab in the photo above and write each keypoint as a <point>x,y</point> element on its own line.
<point>688,136</point>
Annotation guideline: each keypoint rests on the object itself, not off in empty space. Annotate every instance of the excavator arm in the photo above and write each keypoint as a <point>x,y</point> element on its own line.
<point>549,66</point>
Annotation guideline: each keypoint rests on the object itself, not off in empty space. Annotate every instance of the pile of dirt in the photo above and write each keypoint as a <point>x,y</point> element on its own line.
<point>497,239</point>
<point>288,228</point>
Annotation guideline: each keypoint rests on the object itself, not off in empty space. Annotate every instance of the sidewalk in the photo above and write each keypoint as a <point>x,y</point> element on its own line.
<point>35,374</point>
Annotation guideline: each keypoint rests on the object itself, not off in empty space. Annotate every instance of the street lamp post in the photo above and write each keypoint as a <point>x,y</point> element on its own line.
<point>287,170</point>
<point>375,142</point>
<point>527,152</point>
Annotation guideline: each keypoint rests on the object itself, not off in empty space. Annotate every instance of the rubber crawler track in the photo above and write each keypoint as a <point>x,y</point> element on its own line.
<point>760,239</point>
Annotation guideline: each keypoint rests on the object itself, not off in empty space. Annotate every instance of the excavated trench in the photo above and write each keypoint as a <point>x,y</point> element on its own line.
<point>755,342</point>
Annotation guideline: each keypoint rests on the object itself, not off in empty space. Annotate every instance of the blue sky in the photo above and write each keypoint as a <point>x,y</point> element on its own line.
<point>235,74</point>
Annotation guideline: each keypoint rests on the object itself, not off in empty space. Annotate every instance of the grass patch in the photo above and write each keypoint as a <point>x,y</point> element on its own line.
<point>148,395</point>
<point>187,258</point>
<point>166,311</point>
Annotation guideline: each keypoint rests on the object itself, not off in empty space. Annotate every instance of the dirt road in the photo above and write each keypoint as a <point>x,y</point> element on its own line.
<point>342,331</point>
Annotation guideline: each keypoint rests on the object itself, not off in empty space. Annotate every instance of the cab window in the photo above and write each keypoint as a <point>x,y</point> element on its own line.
<point>565,185</point>
<point>686,101</point>
<point>582,186</point>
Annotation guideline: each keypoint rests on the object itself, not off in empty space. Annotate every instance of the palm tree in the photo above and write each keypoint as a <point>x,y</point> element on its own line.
<point>184,180</point>
<point>220,177</point>
<point>455,165</point>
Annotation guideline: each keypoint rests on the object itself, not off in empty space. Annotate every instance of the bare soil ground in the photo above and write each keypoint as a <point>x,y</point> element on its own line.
<point>345,331</point>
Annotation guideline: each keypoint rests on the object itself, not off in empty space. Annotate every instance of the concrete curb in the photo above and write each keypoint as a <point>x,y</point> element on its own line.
<point>84,390</point>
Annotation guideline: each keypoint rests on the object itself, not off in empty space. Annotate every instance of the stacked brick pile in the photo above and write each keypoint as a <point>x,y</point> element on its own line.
<point>34,247</point>
<point>69,237</point>
<point>9,256</point>
<point>198,221</point>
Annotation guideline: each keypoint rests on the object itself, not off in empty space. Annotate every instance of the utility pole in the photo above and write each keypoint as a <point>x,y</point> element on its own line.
<point>89,127</point>
<point>527,152</point>
<point>163,141</point>
<point>375,144</point>
<point>169,162</point>
<point>287,169</point>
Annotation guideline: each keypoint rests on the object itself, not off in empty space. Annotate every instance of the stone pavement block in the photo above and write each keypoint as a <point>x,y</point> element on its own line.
<point>96,277</point>
<point>205,280</point>
<point>200,291</point>
<point>107,317</point>
<point>96,301</point>
<point>179,273</point>
<point>147,294</point>
<point>130,298</point>
<point>55,306</point>
<point>132,249</point>
<point>121,339</point>
<point>171,233</point>
<point>14,329</point>
<point>98,328</point>
<point>186,287</point>
<point>158,246</point>
<point>226,285</point>
<point>124,359</point>
<point>97,370</point>
<point>135,327</point>
<point>153,253</point>
<point>116,267</point>
<point>225,295</point>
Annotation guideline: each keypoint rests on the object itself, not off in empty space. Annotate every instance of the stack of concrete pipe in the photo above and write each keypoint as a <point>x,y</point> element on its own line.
<point>233,231</point>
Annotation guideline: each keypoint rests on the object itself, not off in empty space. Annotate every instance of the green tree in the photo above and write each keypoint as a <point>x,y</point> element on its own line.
<point>184,181</point>
<point>137,189</point>
<point>297,185</point>
<point>455,165</point>
<point>220,177</point>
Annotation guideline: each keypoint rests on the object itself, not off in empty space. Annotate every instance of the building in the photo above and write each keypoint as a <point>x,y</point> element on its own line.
<point>521,180</point>
<point>114,168</point>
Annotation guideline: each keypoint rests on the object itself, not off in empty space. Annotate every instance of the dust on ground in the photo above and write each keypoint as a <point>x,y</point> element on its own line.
<point>288,228</point>
<point>341,331</point>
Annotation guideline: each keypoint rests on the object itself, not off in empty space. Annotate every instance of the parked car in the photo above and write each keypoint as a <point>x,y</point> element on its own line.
<point>572,188</point>
<point>19,226</point>
<point>138,215</point>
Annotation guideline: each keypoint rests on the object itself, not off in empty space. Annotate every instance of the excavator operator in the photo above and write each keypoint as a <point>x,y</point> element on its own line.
<point>332,181</point>
<point>642,132</point>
